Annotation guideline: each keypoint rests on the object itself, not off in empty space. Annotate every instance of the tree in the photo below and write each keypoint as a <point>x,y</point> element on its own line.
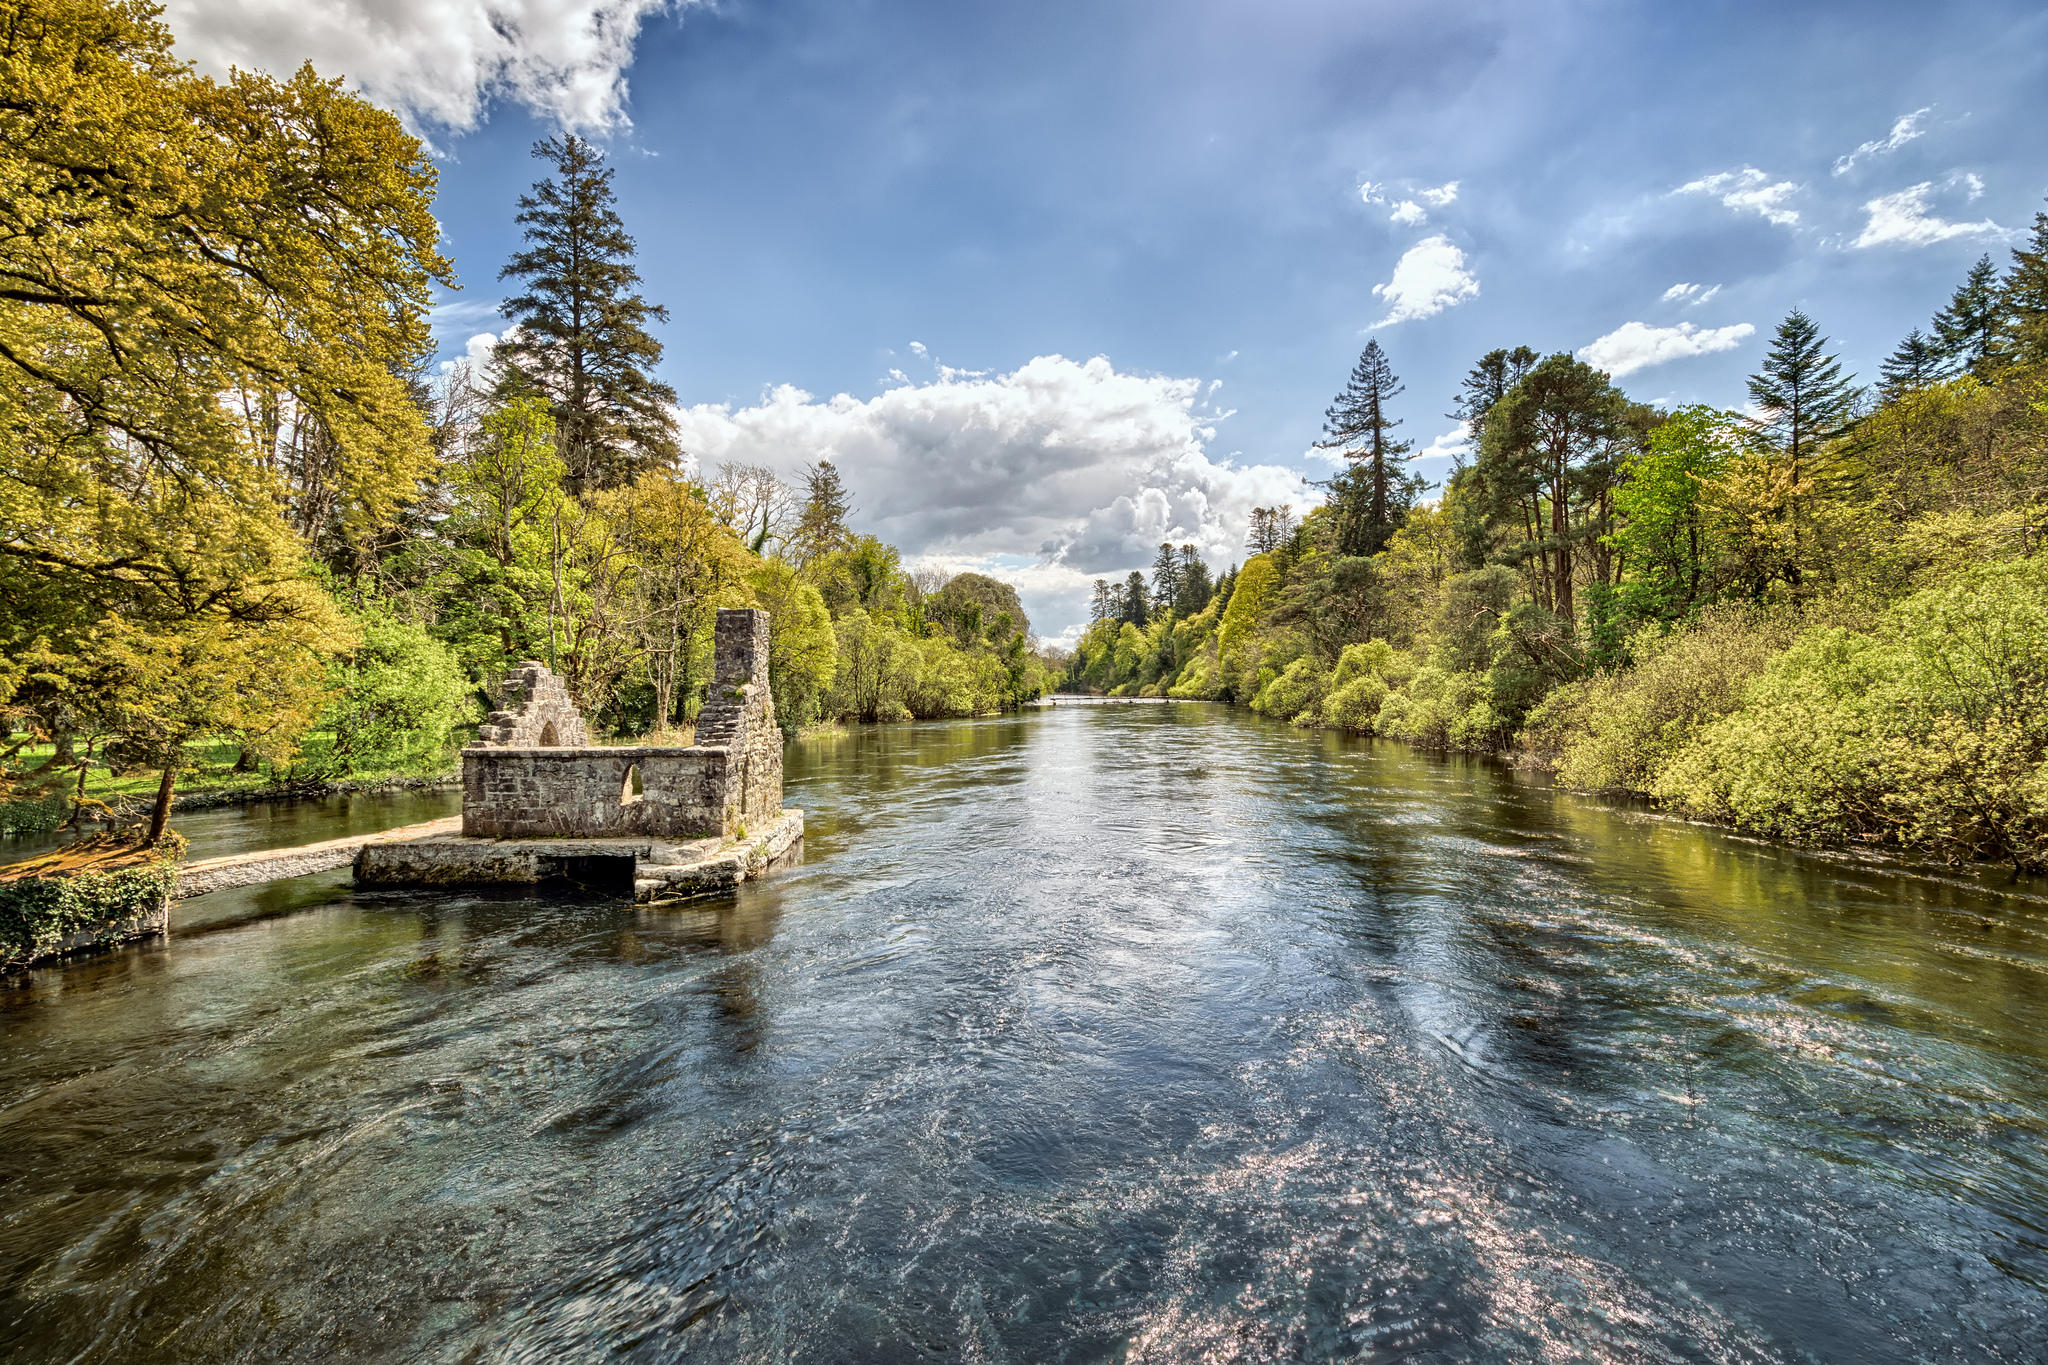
<point>1486,383</point>
<point>1915,363</point>
<point>973,606</point>
<point>1667,536</point>
<point>1553,445</point>
<point>803,651</point>
<point>1166,577</point>
<point>2023,301</point>
<point>1802,391</point>
<point>1966,332</point>
<point>1372,495</point>
<point>753,503</point>
<point>1195,587</point>
<point>685,564</point>
<point>821,523</point>
<point>1271,528</point>
<point>1103,604</point>
<point>578,333</point>
<point>196,271</point>
<point>1135,611</point>
<point>1805,400</point>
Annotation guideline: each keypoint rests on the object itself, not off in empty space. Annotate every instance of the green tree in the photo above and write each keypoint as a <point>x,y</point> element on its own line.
<point>1966,332</point>
<point>579,330</point>
<point>1195,587</point>
<point>1136,610</point>
<point>821,528</point>
<point>1915,363</point>
<point>1372,495</point>
<point>1805,401</point>
<point>803,652</point>
<point>1166,577</point>
<point>1666,536</point>
<point>2023,300</point>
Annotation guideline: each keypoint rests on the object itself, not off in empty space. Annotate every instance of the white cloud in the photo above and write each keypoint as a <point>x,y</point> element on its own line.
<point>1902,219</point>
<point>1451,445</point>
<point>917,348</point>
<point>1071,466</point>
<point>1443,196</point>
<point>1904,130</point>
<point>438,62</point>
<point>1693,294</point>
<point>1748,190</point>
<point>1371,193</point>
<point>1408,213</point>
<point>1429,277</point>
<point>1637,345</point>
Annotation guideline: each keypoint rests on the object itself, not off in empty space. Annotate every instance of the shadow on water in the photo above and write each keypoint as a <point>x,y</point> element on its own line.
<point>1105,1033</point>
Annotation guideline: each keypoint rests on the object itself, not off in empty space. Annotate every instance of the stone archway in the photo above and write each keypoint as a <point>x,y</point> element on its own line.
<point>631,790</point>
<point>549,739</point>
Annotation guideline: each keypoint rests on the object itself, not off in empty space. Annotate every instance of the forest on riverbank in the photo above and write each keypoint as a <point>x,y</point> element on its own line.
<point>1823,618</point>
<point>249,530</point>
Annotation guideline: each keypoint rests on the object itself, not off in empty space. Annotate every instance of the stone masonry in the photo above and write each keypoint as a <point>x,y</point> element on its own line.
<point>518,788</point>
<point>536,712</point>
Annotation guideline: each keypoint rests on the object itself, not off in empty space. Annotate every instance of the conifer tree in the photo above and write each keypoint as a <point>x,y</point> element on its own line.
<point>1915,363</point>
<point>1195,587</point>
<point>1487,383</point>
<point>579,331</point>
<point>1372,495</point>
<point>821,524</point>
<point>2023,301</point>
<point>1105,603</point>
<point>1804,395</point>
<point>1166,580</point>
<point>1966,332</point>
<point>1135,599</point>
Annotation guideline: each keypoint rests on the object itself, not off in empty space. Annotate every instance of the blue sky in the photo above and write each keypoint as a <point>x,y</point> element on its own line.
<point>1087,275</point>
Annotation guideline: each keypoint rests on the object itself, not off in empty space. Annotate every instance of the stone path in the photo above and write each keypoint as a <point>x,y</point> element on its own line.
<point>275,864</point>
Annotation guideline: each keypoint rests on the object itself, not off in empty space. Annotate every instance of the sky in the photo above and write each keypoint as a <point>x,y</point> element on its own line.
<point>1054,282</point>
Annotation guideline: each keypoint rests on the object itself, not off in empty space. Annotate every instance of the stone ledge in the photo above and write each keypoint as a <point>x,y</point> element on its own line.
<point>661,870</point>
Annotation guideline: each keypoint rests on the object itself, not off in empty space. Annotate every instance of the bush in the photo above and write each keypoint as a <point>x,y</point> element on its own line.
<point>1930,731</point>
<point>1441,710</point>
<point>1295,694</point>
<point>37,913</point>
<point>1616,731</point>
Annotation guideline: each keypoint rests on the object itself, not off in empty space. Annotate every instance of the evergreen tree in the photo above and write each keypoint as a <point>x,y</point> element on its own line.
<point>1486,384</point>
<point>1165,577</point>
<point>1106,603</point>
<point>1804,395</point>
<point>1915,363</point>
<point>1966,332</point>
<point>821,525</point>
<point>1195,587</point>
<point>1135,600</point>
<point>2023,301</point>
<point>579,331</point>
<point>1372,496</point>
<point>1271,528</point>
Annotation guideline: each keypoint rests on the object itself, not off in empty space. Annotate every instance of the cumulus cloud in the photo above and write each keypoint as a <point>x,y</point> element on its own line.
<point>1637,345</point>
<point>1453,445</point>
<point>1904,130</point>
<point>1408,213</point>
<point>1411,211</point>
<point>1903,219</point>
<point>1075,467</point>
<point>1749,190</point>
<point>438,62</point>
<point>1443,196</point>
<point>1430,277</point>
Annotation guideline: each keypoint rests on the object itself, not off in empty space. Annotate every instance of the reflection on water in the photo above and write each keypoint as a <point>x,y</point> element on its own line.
<point>1144,1033</point>
<point>277,824</point>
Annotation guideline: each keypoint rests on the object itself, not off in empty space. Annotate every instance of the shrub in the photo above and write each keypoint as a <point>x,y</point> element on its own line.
<point>1930,731</point>
<point>38,912</point>
<point>401,694</point>
<point>1295,694</point>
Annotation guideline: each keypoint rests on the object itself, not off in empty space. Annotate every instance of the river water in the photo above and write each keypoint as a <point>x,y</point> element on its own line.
<point>1108,1033</point>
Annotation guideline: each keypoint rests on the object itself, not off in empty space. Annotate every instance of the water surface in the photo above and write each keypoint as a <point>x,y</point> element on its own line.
<point>1113,1033</point>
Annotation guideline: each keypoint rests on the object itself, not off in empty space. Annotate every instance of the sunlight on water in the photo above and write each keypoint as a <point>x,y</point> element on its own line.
<point>1134,1033</point>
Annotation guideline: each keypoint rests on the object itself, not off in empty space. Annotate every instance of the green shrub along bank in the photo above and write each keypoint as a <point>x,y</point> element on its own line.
<point>39,914</point>
<point>1825,621</point>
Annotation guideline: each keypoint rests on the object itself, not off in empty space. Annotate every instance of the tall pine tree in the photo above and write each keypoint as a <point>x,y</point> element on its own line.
<point>1966,332</point>
<point>1805,398</point>
<point>1916,362</point>
<point>2024,299</point>
<point>579,330</point>
<point>1165,577</point>
<point>821,523</point>
<point>1373,494</point>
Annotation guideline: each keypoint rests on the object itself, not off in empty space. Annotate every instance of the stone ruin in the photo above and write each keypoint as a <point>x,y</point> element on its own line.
<point>535,712</point>
<point>534,774</point>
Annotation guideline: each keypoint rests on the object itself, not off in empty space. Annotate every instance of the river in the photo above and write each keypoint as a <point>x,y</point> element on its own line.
<point>1105,1033</point>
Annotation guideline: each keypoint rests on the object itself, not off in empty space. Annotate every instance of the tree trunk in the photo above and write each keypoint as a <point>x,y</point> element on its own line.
<point>160,816</point>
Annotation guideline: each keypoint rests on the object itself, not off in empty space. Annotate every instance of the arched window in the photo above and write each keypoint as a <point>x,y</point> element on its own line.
<point>632,790</point>
<point>548,738</point>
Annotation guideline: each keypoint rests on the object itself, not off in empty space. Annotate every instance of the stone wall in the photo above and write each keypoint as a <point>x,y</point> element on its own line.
<point>731,777</point>
<point>535,712</point>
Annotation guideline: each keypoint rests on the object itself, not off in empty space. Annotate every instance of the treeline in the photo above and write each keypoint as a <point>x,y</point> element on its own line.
<point>1824,619</point>
<point>238,504</point>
